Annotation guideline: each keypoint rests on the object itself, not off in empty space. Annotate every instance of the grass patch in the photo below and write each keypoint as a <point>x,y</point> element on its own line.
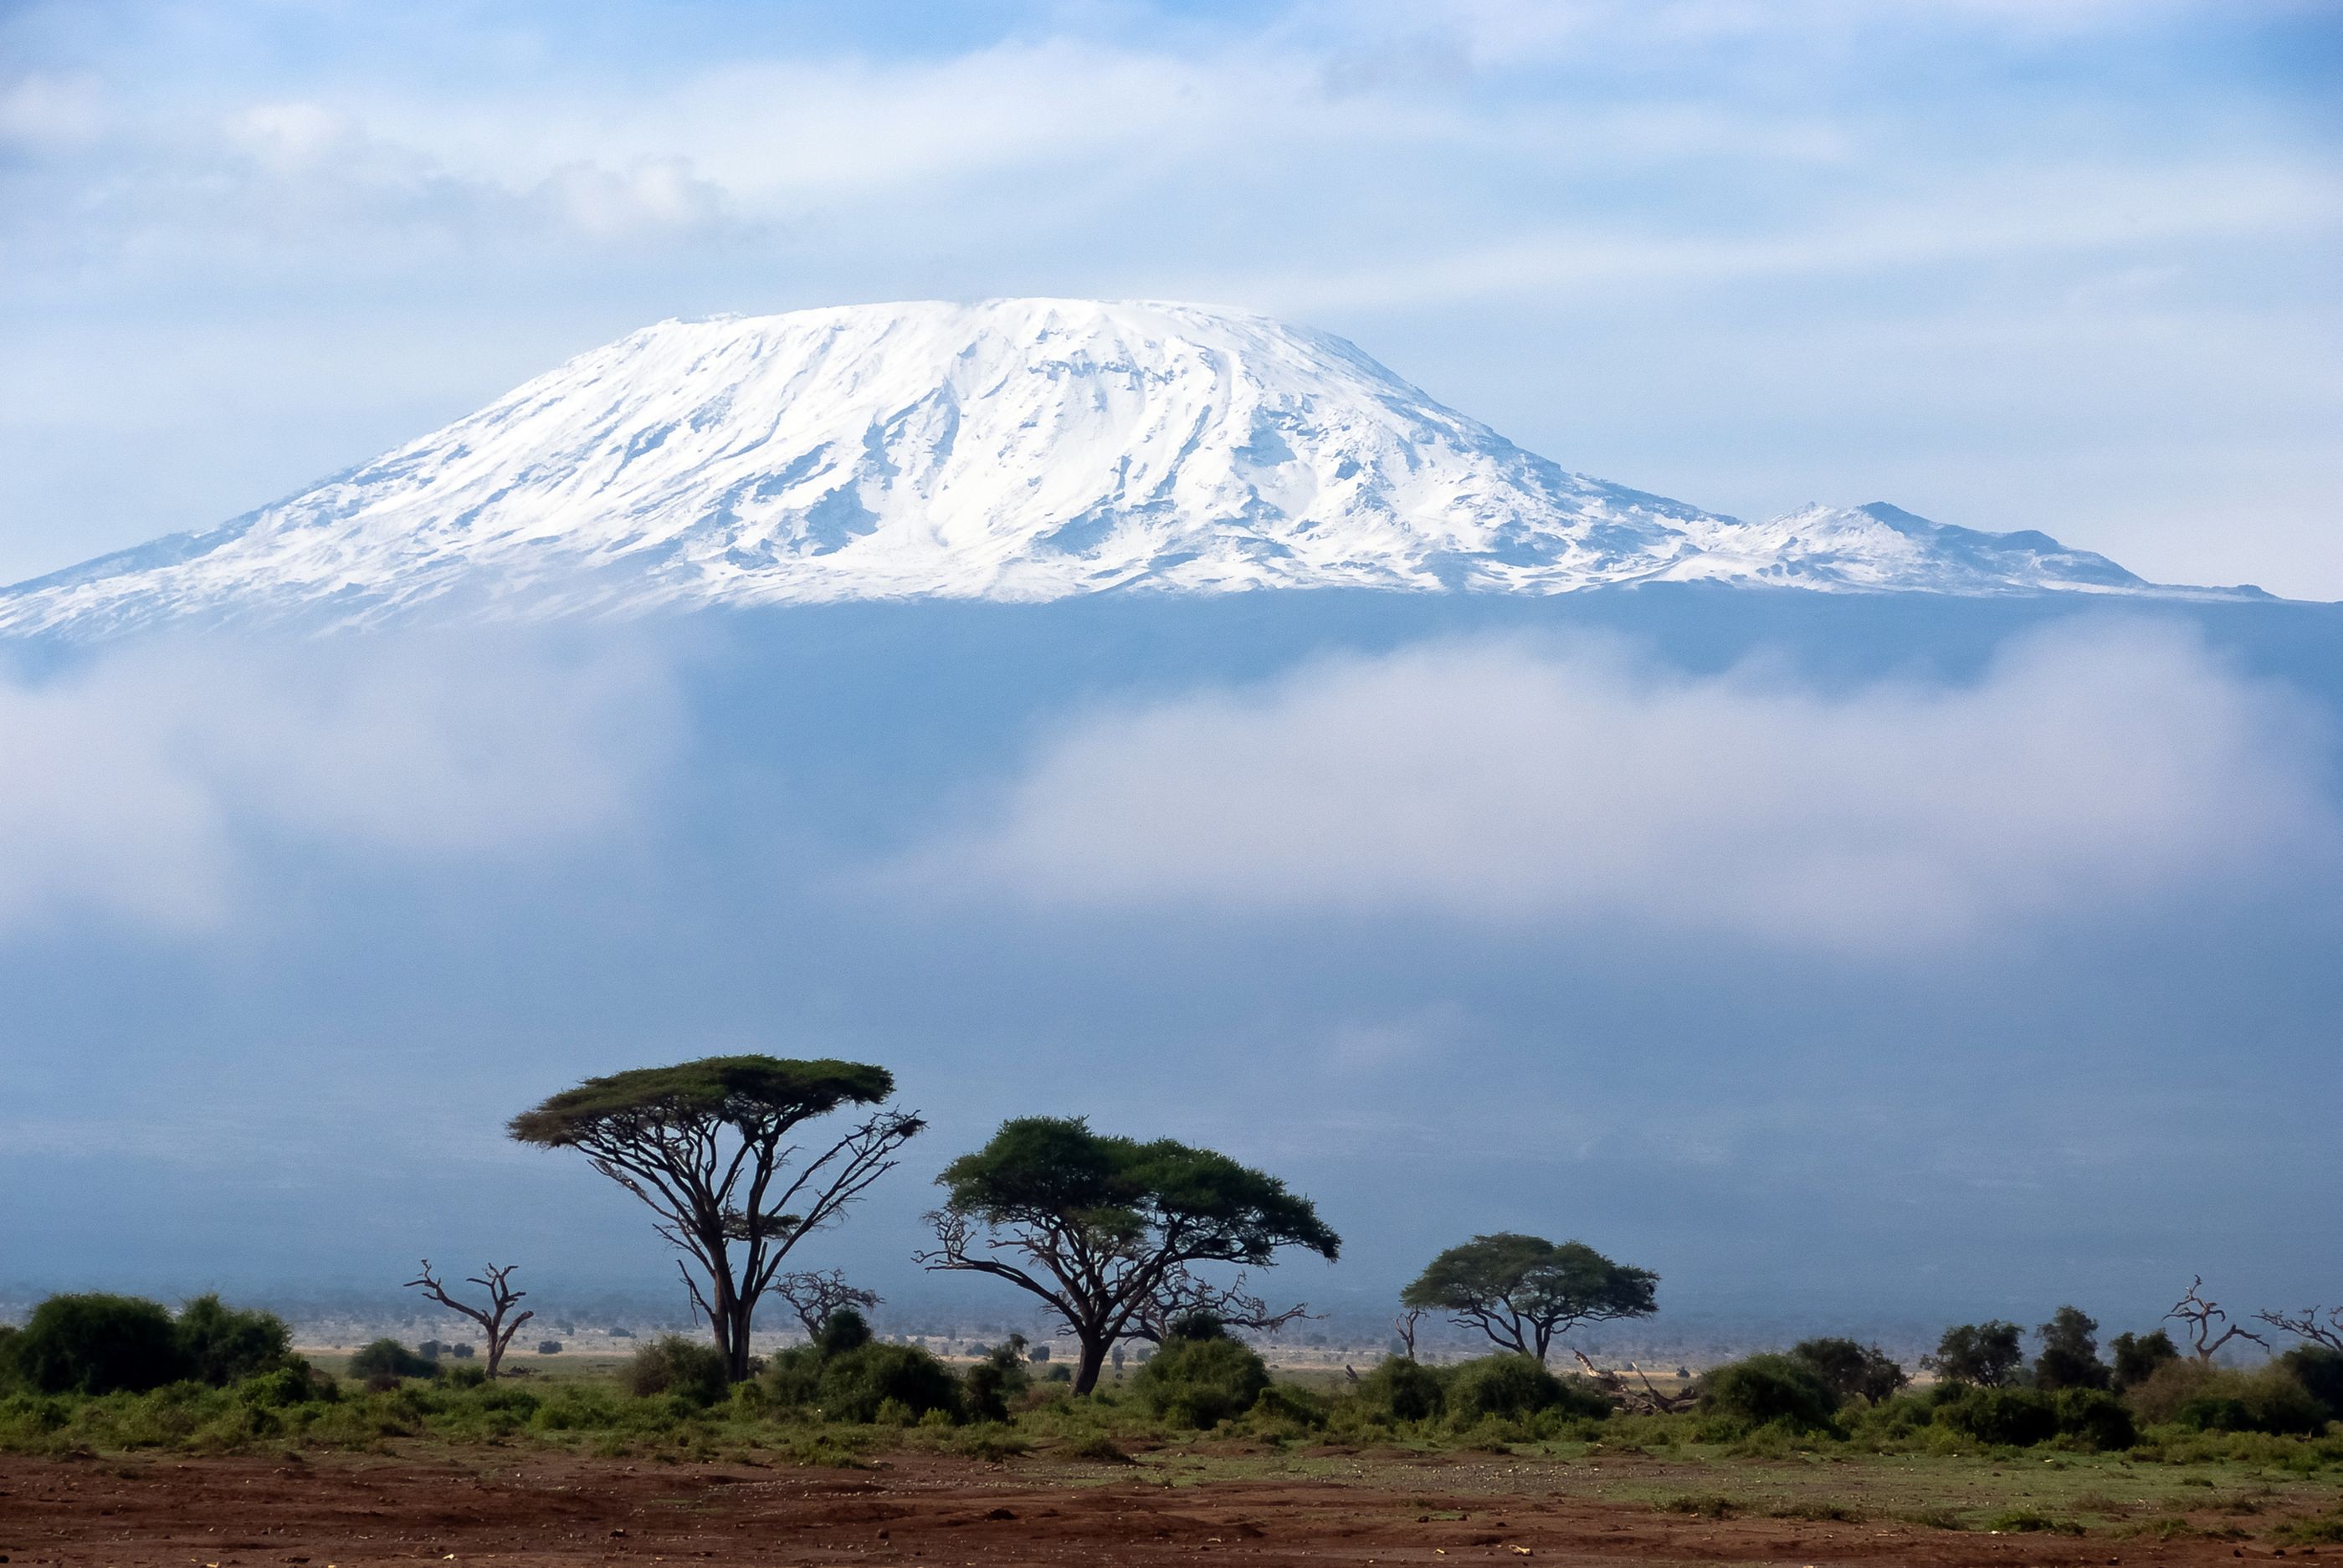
<point>2025,1522</point>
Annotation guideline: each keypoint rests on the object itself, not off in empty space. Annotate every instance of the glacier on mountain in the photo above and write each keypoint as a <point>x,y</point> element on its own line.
<point>1013,449</point>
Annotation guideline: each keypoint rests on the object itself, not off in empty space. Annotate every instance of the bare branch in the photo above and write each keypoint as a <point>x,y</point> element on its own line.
<point>815,1294</point>
<point>2204,1322</point>
<point>2309,1325</point>
<point>493,1318</point>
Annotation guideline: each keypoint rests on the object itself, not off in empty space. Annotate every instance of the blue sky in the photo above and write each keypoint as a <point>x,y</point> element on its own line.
<point>2058,264</point>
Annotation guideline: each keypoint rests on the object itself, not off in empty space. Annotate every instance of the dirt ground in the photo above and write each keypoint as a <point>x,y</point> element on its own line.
<point>538,1508</point>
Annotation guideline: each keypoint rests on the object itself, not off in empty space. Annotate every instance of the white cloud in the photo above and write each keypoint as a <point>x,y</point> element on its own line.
<point>136,788</point>
<point>2101,771</point>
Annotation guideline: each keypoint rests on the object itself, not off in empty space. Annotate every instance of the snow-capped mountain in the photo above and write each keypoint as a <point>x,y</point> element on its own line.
<point>1015,449</point>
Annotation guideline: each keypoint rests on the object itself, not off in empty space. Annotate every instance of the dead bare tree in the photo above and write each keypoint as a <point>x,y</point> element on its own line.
<point>491,1318</point>
<point>1181,1294</point>
<point>1647,1400</point>
<point>814,1294</point>
<point>2203,1323</point>
<point>1404,1326</point>
<point>2319,1325</point>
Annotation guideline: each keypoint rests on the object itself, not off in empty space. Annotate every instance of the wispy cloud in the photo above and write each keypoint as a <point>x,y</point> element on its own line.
<point>2096,772</point>
<point>135,787</point>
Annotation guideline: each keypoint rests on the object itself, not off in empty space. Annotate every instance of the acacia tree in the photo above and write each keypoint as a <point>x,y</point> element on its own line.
<point>815,1295</point>
<point>1100,1226</point>
<point>491,1318</point>
<point>704,1144</point>
<point>1523,1290</point>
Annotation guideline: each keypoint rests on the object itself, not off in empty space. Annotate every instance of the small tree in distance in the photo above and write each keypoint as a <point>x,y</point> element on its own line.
<point>2136,1357</point>
<point>492,1318</point>
<point>2070,1352</point>
<point>1097,1226</point>
<point>815,1294</point>
<point>1853,1371</point>
<point>704,1145</point>
<point>1987,1354</point>
<point>1523,1291</point>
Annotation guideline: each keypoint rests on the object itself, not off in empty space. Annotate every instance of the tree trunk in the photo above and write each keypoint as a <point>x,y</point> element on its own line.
<point>733,1337</point>
<point>1094,1349</point>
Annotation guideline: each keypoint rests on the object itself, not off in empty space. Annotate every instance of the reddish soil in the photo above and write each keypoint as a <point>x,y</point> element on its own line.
<point>550,1509</point>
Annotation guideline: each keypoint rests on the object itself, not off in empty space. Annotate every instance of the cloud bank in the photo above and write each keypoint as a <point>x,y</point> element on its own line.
<point>140,787</point>
<point>2104,771</point>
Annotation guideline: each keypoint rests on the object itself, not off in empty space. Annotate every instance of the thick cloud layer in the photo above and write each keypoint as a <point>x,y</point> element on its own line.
<point>2087,771</point>
<point>132,787</point>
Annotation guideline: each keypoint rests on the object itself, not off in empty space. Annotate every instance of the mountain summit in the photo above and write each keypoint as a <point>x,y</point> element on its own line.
<point>1014,449</point>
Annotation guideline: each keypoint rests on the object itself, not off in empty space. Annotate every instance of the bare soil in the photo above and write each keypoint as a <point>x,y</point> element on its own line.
<point>521,1507</point>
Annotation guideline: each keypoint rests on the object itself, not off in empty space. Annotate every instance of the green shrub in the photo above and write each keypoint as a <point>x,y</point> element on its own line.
<point>998,1379</point>
<point>1201,1383</point>
<point>1511,1386</point>
<point>2017,1417</point>
<point>1769,1388</point>
<point>99,1344</point>
<point>672,1364</point>
<point>2319,1371</point>
<point>2095,1419</point>
<point>222,1346</point>
<point>1284,1403</point>
<point>844,1330</point>
<point>9,1380</point>
<point>1852,1371</point>
<point>1403,1390</point>
<point>855,1384</point>
<point>295,1383</point>
<point>2200,1398</point>
<point>2268,1401</point>
<point>389,1359</point>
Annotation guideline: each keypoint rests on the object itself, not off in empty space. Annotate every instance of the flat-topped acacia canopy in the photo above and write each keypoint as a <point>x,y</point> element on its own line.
<point>706,1145</point>
<point>733,1089</point>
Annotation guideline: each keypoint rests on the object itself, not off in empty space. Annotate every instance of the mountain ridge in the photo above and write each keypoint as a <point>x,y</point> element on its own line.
<point>1010,450</point>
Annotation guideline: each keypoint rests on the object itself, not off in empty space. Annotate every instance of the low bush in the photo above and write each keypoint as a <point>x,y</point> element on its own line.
<point>2012,1417</point>
<point>97,1343</point>
<point>1400,1389</point>
<point>1284,1405</point>
<point>389,1359</point>
<point>1765,1389</point>
<point>296,1383</point>
<point>2094,1419</point>
<point>672,1364</point>
<point>1514,1387</point>
<point>221,1344</point>
<point>1201,1383</point>
<point>858,1384</point>
<point>2319,1371</point>
<point>2195,1397</point>
<point>997,1380</point>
